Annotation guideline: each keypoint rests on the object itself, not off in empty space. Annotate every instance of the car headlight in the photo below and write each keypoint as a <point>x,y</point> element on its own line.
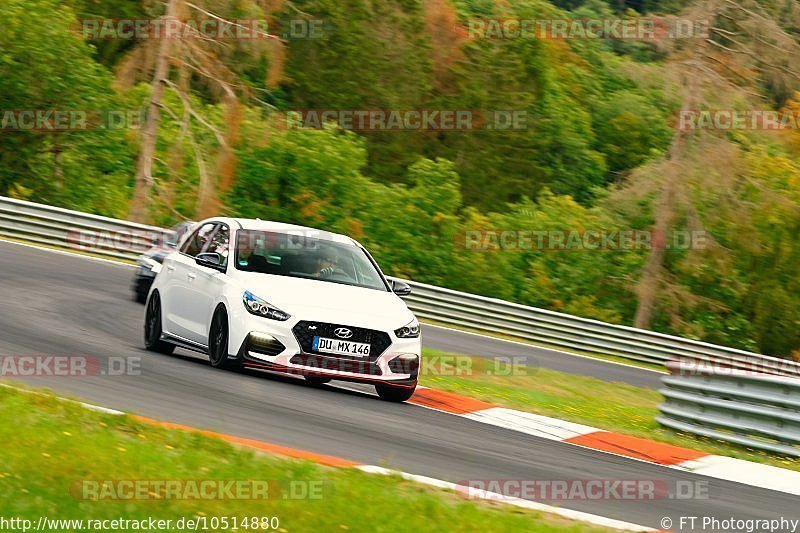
<point>259,307</point>
<point>408,331</point>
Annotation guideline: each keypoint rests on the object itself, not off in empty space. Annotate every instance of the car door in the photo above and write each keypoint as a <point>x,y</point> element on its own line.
<point>178,298</point>
<point>205,284</point>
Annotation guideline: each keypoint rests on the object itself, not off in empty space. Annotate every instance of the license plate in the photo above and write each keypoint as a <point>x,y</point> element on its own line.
<point>340,347</point>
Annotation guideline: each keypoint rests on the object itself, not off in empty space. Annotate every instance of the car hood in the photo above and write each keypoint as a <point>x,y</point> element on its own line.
<point>323,301</point>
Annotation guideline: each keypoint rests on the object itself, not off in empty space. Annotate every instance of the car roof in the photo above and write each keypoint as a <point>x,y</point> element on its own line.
<point>282,227</point>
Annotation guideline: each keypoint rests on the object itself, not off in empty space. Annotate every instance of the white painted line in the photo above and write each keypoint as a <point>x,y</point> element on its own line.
<point>745,472</point>
<point>532,424</point>
<point>517,502</point>
<point>713,466</point>
<point>545,434</point>
<point>72,254</point>
<point>99,408</point>
<point>90,406</point>
<point>528,344</point>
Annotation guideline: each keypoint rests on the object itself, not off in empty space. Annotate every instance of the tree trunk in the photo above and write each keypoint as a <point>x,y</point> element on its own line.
<point>58,165</point>
<point>144,165</point>
<point>648,287</point>
<point>647,290</point>
<point>649,283</point>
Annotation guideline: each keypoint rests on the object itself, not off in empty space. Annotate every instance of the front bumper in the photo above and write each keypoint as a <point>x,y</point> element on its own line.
<point>142,281</point>
<point>274,345</point>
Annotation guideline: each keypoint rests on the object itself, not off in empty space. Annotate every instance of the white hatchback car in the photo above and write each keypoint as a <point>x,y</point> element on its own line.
<point>285,298</point>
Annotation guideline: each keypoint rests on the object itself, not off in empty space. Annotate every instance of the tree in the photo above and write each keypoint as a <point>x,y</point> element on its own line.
<point>195,57</point>
<point>143,180</point>
<point>46,67</point>
<point>698,186</point>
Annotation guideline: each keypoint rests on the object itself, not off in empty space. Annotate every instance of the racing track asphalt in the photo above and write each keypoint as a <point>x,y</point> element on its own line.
<point>58,304</point>
<point>455,341</point>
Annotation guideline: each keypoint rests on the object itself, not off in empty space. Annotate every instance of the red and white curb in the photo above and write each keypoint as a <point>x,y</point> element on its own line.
<point>667,455</point>
<point>328,460</point>
<point>685,459</point>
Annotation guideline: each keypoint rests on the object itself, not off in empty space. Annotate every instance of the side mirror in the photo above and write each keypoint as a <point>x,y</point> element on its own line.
<point>211,260</point>
<point>400,288</point>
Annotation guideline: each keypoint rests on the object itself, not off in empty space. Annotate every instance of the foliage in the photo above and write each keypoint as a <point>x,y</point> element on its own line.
<point>46,67</point>
<point>590,153</point>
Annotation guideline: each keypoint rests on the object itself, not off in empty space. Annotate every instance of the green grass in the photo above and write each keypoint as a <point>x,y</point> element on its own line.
<point>611,406</point>
<point>49,445</point>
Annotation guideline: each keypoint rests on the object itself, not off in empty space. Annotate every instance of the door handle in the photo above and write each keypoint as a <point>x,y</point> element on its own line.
<point>191,275</point>
<point>170,268</point>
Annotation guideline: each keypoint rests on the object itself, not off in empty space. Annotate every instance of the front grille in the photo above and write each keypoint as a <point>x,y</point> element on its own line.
<point>305,331</point>
<point>335,363</point>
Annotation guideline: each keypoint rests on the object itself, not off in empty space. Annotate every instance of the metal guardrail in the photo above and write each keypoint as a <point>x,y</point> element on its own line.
<point>723,393</point>
<point>64,228</point>
<point>590,336</point>
<point>121,239</point>
<point>750,409</point>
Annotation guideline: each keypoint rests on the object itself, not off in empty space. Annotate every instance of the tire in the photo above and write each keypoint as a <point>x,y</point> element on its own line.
<point>391,393</point>
<point>316,381</point>
<point>152,327</point>
<point>141,287</point>
<point>218,340</point>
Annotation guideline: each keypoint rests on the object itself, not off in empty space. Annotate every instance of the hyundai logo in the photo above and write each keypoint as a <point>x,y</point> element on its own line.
<point>343,333</point>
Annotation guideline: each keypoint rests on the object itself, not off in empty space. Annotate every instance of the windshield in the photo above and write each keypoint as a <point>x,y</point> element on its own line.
<point>301,256</point>
<point>177,232</point>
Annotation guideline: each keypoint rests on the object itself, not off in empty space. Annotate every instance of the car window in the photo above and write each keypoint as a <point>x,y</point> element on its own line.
<point>219,243</point>
<point>199,239</point>
<point>177,232</point>
<point>304,256</point>
<point>366,272</point>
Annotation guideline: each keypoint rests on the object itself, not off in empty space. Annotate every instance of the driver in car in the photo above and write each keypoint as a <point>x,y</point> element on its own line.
<point>328,263</point>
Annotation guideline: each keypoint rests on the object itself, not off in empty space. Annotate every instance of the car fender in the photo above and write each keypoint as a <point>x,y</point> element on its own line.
<point>231,298</point>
